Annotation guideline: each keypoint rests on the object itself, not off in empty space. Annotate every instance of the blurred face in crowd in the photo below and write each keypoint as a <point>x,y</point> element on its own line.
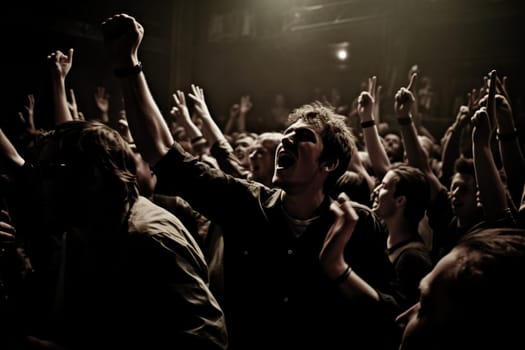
<point>463,195</point>
<point>262,160</point>
<point>385,203</point>
<point>241,148</point>
<point>393,147</point>
<point>179,134</point>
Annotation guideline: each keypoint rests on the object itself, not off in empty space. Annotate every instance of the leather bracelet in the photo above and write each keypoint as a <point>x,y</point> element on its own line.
<point>404,120</point>
<point>197,139</point>
<point>368,124</point>
<point>128,71</point>
<point>507,136</point>
<point>344,276</point>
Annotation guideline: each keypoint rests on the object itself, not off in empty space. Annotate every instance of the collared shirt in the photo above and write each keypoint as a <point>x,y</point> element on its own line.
<point>143,287</point>
<point>270,274</point>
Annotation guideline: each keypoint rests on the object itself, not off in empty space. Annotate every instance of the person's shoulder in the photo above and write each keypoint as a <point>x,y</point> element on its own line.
<point>368,216</point>
<point>415,254</point>
<point>148,222</point>
<point>149,219</point>
<point>362,210</point>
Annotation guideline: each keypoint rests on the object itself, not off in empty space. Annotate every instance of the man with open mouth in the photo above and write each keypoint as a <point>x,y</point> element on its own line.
<point>300,268</point>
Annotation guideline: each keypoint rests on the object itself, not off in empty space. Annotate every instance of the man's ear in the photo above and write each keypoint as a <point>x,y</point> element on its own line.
<point>330,165</point>
<point>401,201</point>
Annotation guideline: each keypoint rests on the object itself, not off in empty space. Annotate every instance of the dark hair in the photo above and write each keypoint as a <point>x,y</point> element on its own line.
<point>399,154</point>
<point>338,139</point>
<point>489,286</point>
<point>464,166</point>
<point>392,131</point>
<point>83,144</point>
<point>354,185</point>
<point>413,184</point>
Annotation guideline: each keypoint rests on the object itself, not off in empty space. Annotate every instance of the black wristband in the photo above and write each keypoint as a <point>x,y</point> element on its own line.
<point>128,71</point>
<point>507,136</point>
<point>197,139</point>
<point>344,276</point>
<point>368,124</point>
<point>404,120</point>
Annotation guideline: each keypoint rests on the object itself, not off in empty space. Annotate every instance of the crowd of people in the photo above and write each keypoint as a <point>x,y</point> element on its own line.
<point>168,231</point>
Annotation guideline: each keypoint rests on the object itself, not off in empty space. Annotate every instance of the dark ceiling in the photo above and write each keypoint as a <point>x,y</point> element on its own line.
<point>264,46</point>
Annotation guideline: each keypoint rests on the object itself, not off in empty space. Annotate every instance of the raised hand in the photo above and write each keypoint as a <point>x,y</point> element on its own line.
<point>245,105</point>
<point>504,115</point>
<point>11,250</point>
<point>404,99</point>
<point>29,121</point>
<point>463,116</point>
<point>491,99</point>
<point>375,91</point>
<point>182,115</point>
<point>481,130</point>
<point>60,67</point>
<point>332,252</point>
<point>101,99</point>
<point>180,105</point>
<point>374,147</point>
<point>122,38</point>
<point>365,105</point>
<point>412,88</point>
<point>7,231</point>
<point>234,111</point>
<point>501,87</point>
<point>73,107</point>
<point>492,192</point>
<point>60,63</point>
<point>473,103</point>
<point>197,95</point>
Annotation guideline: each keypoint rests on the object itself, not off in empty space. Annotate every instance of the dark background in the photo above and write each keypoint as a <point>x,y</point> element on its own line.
<point>261,47</point>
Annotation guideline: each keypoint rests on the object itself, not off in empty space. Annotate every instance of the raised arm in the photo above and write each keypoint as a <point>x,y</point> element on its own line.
<point>509,145</point>
<point>29,121</point>
<point>238,114</point>
<point>60,67</point>
<point>245,106</point>
<point>122,37</point>
<point>182,115</point>
<point>220,147</point>
<point>404,99</point>
<point>229,127</point>
<point>492,192</point>
<point>211,130</point>
<point>101,97</point>
<point>451,144</point>
<point>10,158</point>
<point>375,90</point>
<point>376,151</point>
<point>73,106</point>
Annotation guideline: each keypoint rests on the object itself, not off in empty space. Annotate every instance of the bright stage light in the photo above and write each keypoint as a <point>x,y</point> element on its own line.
<point>342,54</point>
